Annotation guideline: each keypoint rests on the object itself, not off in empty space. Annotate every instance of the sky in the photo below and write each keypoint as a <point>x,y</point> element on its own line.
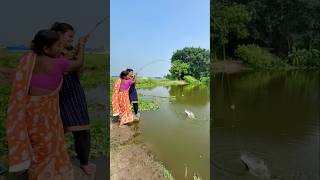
<point>145,31</point>
<point>20,20</point>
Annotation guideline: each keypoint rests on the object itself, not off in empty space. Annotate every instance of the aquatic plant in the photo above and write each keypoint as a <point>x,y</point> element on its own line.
<point>167,174</point>
<point>148,105</point>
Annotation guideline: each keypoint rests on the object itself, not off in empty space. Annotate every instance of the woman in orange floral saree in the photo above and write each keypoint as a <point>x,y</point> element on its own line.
<point>34,128</point>
<point>121,102</point>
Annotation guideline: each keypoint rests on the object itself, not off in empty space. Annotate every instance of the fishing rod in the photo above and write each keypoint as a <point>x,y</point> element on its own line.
<point>97,25</point>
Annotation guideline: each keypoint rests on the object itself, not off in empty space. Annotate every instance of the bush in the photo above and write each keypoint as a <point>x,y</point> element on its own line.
<point>204,80</point>
<point>258,57</point>
<point>191,80</point>
<point>304,58</point>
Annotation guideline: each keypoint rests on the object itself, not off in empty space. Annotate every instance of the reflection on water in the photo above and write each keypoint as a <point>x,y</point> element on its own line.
<point>274,117</point>
<point>176,140</point>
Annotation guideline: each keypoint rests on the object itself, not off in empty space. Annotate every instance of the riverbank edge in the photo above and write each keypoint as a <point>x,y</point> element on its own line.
<point>139,161</point>
<point>237,66</point>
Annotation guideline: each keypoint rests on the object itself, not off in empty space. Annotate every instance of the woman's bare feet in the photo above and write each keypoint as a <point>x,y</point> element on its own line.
<point>88,169</point>
<point>138,116</point>
<point>122,126</point>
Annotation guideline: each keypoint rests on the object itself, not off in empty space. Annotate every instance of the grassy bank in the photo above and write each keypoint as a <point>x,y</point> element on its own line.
<point>257,57</point>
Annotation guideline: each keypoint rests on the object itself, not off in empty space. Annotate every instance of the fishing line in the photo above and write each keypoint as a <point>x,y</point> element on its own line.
<point>150,63</point>
<point>97,25</point>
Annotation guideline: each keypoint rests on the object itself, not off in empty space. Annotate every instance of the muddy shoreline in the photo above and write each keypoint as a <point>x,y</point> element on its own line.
<point>130,158</point>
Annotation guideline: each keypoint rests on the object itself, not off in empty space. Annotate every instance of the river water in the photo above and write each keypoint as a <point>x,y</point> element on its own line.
<point>267,121</point>
<point>181,143</point>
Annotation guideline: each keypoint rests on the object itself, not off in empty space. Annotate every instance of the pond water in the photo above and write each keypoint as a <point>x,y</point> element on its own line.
<point>181,143</point>
<point>267,121</point>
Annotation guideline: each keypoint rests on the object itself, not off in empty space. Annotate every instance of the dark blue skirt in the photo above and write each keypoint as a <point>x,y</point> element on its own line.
<point>73,104</point>
<point>133,95</point>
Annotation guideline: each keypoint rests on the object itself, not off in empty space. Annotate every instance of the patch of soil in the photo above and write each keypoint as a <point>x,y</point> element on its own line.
<point>78,173</point>
<point>229,66</point>
<point>131,160</point>
<point>101,171</point>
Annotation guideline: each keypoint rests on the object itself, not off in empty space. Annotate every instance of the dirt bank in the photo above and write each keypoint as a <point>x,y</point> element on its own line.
<point>131,160</point>
<point>229,66</point>
<point>101,173</point>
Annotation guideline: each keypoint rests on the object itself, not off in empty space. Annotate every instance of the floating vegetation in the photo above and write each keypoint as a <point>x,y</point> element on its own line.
<point>148,105</point>
<point>167,174</point>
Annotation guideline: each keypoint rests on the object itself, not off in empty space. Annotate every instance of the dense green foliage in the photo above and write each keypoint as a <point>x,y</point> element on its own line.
<point>289,29</point>
<point>191,80</point>
<point>179,69</point>
<point>190,61</point>
<point>257,57</point>
<point>305,58</point>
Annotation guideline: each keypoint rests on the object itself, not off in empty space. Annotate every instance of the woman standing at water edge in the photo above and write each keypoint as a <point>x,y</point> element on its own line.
<point>133,95</point>
<point>120,99</point>
<point>34,128</point>
<point>73,105</point>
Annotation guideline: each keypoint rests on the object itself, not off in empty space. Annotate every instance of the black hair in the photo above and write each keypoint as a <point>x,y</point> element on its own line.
<point>123,74</point>
<point>129,70</point>
<point>43,38</point>
<point>61,27</point>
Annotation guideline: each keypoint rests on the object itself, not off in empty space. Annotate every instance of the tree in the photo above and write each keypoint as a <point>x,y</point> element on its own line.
<point>230,23</point>
<point>198,60</point>
<point>179,69</point>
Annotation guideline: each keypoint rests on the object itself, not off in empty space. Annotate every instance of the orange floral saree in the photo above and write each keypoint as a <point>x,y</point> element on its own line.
<point>121,104</point>
<point>34,129</point>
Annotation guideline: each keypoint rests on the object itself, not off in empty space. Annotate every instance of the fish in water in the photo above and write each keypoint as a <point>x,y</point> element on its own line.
<point>190,114</point>
<point>255,166</point>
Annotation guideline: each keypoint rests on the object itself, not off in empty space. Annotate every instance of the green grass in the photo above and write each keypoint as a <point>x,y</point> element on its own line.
<point>166,173</point>
<point>151,83</point>
<point>9,60</point>
<point>4,97</point>
<point>99,139</point>
<point>94,70</point>
<point>148,105</point>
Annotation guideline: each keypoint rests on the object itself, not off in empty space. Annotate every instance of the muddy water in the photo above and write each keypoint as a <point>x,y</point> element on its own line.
<point>269,121</point>
<point>179,142</point>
